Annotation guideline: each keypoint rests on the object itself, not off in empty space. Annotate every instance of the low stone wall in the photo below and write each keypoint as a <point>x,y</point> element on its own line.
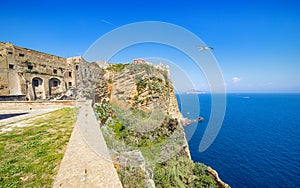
<point>34,105</point>
<point>12,97</point>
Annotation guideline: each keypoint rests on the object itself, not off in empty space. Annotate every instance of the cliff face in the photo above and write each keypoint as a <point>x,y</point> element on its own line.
<point>140,121</point>
<point>141,86</point>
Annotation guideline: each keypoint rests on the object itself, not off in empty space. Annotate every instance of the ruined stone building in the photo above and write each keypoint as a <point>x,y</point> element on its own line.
<point>27,74</point>
<point>31,75</point>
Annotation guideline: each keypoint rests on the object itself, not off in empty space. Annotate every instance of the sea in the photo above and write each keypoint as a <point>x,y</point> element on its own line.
<point>258,144</point>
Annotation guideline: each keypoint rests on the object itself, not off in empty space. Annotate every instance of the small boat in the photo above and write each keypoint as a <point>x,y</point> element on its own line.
<point>200,118</point>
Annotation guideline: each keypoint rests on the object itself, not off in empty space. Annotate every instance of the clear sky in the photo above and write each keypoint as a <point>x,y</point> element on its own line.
<point>255,42</point>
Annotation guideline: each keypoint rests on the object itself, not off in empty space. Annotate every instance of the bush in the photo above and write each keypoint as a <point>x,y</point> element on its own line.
<point>116,67</point>
<point>182,172</point>
<point>175,173</point>
<point>103,111</point>
<point>132,177</point>
<point>202,179</point>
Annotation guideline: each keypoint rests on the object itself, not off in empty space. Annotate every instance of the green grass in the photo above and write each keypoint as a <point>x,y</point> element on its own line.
<point>30,156</point>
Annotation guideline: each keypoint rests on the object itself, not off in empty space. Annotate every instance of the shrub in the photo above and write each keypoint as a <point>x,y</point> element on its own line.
<point>103,111</point>
<point>116,67</point>
<point>180,171</point>
<point>177,172</point>
<point>132,177</point>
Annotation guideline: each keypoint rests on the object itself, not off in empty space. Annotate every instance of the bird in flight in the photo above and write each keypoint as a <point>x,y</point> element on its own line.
<point>202,48</point>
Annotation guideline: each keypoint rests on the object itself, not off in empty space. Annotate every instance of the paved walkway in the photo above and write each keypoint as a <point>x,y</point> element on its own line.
<point>87,161</point>
<point>15,118</point>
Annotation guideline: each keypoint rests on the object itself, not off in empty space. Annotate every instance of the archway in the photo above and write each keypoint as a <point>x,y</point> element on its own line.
<point>38,88</point>
<point>54,86</point>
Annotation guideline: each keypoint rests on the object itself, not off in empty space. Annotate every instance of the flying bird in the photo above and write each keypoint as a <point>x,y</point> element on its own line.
<point>202,48</point>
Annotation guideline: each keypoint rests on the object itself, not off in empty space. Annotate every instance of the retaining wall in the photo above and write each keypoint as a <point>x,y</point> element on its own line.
<point>34,105</point>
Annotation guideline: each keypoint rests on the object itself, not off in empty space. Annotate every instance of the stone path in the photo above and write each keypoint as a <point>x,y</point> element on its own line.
<point>7,122</point>
<point>87,161</point>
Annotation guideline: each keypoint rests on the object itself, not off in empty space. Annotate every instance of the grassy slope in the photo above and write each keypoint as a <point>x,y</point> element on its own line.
<point>30,156</point>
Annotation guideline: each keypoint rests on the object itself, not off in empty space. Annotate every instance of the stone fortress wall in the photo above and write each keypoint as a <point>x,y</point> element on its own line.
<point>27,74</point>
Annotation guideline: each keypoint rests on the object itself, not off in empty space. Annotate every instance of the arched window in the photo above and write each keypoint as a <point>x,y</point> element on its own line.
<point>36,82</point>
<point>54,82</point>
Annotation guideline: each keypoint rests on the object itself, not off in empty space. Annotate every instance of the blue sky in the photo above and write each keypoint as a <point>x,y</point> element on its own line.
<point>256,43</point>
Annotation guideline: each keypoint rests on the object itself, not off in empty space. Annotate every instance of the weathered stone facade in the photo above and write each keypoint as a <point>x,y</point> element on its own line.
<point>32,75</point>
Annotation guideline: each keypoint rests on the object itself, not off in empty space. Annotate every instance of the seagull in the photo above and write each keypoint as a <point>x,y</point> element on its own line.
<point>202,48</point>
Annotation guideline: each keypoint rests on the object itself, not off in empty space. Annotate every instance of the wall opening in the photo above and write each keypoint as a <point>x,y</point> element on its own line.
<point>11,66</point>
<point>54,86</point>
<point>35,83</point>
<point>55,83</point>
<point>70,74</point>
<point>38,89</point>
<point>21,55</point>
<point>30,67</point>
<point>54,71</point>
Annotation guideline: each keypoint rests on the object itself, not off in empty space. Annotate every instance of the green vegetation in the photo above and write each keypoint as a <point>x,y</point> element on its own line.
<point>148,148</point>
<point>166,76</point>
<point>134,127</point>
<point>154,82</point>
<point>155,87</point>
<point>103,111</point>
<point>148,70</point>
<point>159,139</point>
<point>139,68</point>
<point>137,135</point>
<point>30,156</point>
<point>132,177</point>
<point>116,67</point>
<point>182,172</point>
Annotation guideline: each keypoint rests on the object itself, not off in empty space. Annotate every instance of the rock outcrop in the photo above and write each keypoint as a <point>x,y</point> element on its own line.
<point>142,126</point>
<point>214,174</point>
<point>142,86</point>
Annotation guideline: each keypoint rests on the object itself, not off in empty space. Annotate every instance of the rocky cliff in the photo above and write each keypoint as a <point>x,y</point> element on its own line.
<point>140,121</point>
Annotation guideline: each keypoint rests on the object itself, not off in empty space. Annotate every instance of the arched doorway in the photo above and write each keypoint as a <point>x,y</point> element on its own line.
<point>54,86</point>
<point>38,88</point>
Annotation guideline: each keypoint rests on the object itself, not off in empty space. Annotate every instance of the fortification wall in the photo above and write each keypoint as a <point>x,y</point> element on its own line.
<point>34,74</point>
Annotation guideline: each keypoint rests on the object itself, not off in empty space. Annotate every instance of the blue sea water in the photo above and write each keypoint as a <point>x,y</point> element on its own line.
<point>259,142</point>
